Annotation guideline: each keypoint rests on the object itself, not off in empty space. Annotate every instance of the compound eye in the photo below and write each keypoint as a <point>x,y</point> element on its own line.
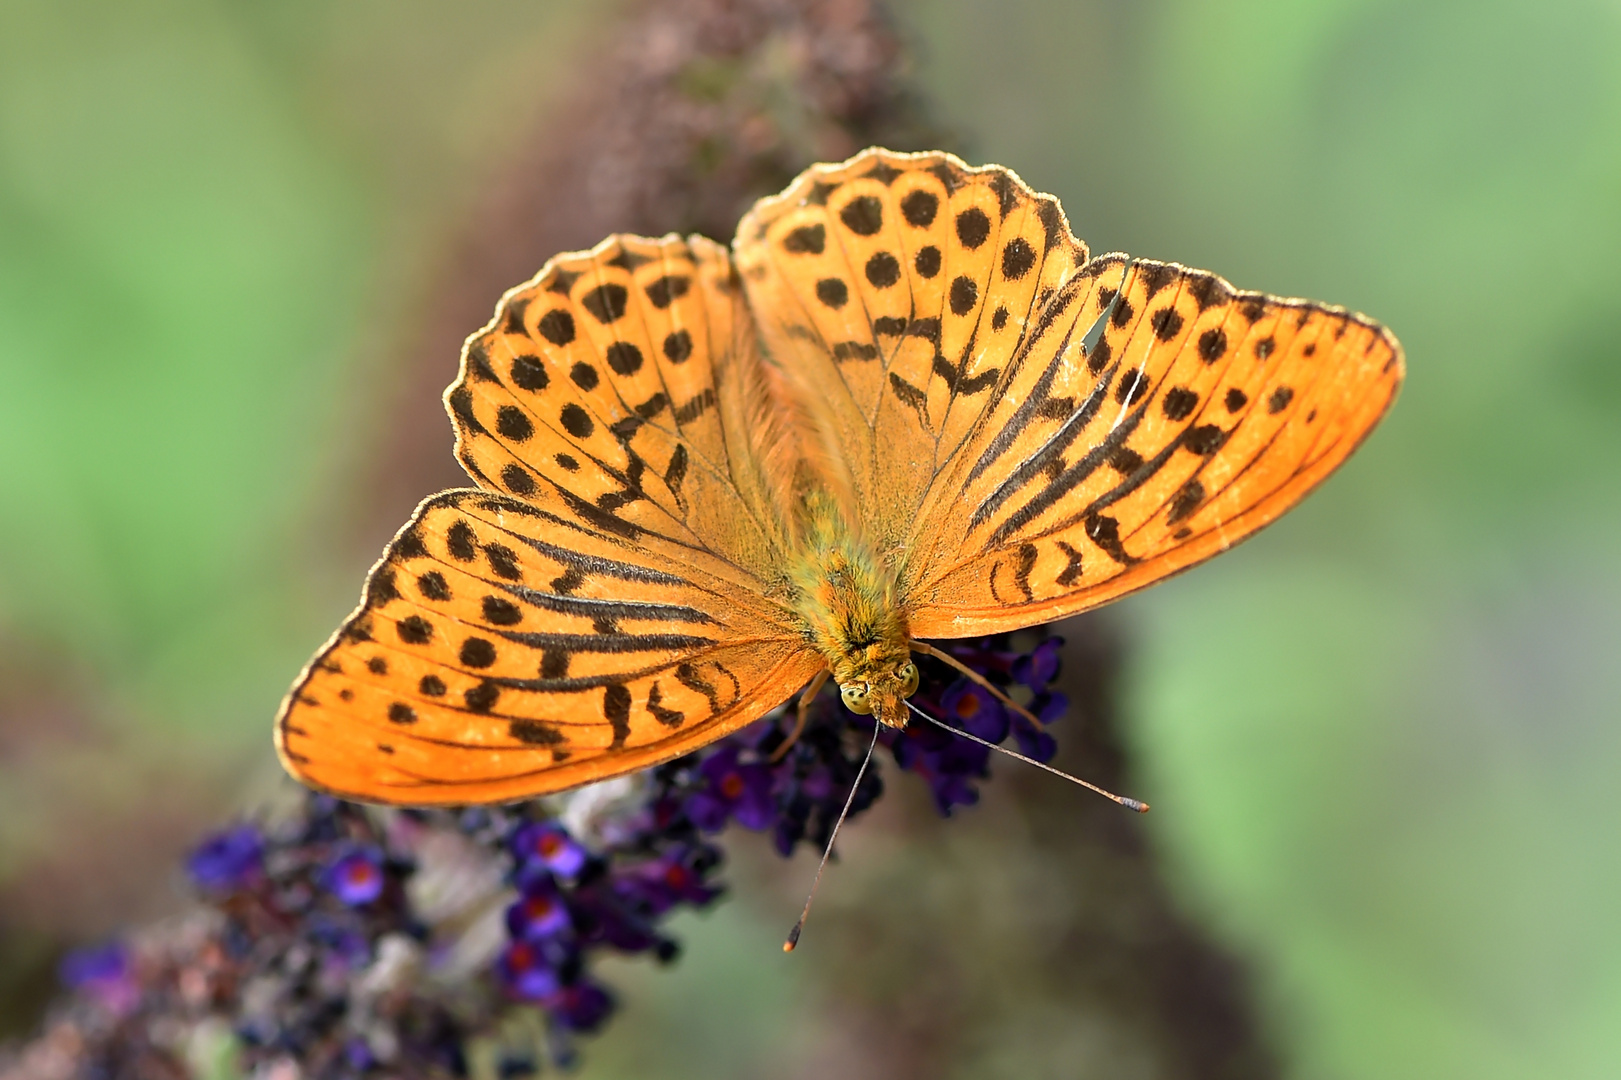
<point>908,676</point>
<point>855,699</point>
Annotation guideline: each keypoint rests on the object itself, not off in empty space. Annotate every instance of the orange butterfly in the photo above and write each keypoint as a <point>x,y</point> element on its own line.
<point>906,405</point>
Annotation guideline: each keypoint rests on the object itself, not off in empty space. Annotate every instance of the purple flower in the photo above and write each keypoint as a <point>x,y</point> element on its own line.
<point>677,878</point>
<point>539,913</point>
<point>526,972</point>
<point>731,790</point>
<point>1040,667</point>
<point>975,710</point>
<point>105,973</point>
<point>581,1007</point>
<point>359,1055</point>
<point>227,860</point>
<point>1034,742</point>
<point>99,963</point>
<point>547,844</point>
<point>356,877</point>
<point>1049,705</point>
<point>619,913</point>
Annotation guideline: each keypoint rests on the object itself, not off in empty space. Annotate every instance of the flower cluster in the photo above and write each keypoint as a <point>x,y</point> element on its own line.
<point>336,940</point>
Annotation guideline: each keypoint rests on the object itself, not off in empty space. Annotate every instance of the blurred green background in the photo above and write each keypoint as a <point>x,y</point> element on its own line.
<point>1381,739</point>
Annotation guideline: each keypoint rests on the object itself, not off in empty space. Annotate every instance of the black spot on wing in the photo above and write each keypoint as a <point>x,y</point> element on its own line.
<point>1185,501</point>
<point>1167,321</point>
<point>1156,276</point>
<point>557,326</point>
<point>1204,440</point>
<point>1179,403</point>
<point>516,479</point>
<point>513,423</point>
<point>806,240</point>
<point>576,421</point>
<point>973,227</point>
<point>883,270</point>
<point>910,396</point>
<point>670,718</point>
<point>1021,572</point>
<point>528,373</point>
<point>884,173</point>
<point>461,542</point>
<point>433,586</point>
<point>668,288</point>
<point>833,292</point>
<point>1072,565</point>
<point>919,208</point>
<point>964,294</point>
<point>627,259</point>
<point>606,302</point>
<point>623,358</point>
<point>499,611</point>
<point>414,630</point>
<point>1017,258</point>
<point>949,176</point>
<point>503,561</point>
<point>677,346</point>
<point>696,406</point>
<point>477,652</point>
<point>863,215</point>
<point>616,710</point>
<point>535,733</point>
<point>1104,531</point>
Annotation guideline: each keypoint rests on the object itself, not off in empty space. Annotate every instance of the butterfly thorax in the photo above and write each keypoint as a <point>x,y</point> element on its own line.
<point>848,601</point>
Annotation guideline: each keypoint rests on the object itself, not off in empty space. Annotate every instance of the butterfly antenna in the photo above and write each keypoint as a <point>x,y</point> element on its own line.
<point>1129,804</point>
<point>793,935</point>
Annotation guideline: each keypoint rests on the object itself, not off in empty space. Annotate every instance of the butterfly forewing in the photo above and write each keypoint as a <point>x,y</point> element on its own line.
<point>893,290</point>
<point>603,606</point>
<point>611,387</point>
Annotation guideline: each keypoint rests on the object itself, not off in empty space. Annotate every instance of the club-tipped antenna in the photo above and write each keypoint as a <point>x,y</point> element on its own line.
<point>793,935</point>
<point>1130,804</point>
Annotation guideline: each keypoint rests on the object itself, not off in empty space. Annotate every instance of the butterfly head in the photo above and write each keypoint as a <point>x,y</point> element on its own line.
<point>883,695</point>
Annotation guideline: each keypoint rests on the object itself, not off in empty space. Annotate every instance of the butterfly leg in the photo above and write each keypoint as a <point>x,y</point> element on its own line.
<point>929,650</point>
<point>813,688</point>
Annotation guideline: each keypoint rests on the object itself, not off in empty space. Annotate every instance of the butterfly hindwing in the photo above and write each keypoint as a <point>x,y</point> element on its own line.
<point>496,655</point>
<point>1154,417</point>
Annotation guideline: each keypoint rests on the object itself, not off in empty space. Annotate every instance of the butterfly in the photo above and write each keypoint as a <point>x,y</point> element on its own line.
<point>907,404</point>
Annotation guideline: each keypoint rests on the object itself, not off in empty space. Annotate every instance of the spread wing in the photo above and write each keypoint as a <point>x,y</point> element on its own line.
<point>1028,432</point>
<point>600,603</point>
<point>892,292</point>
<point>1152,417</point>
